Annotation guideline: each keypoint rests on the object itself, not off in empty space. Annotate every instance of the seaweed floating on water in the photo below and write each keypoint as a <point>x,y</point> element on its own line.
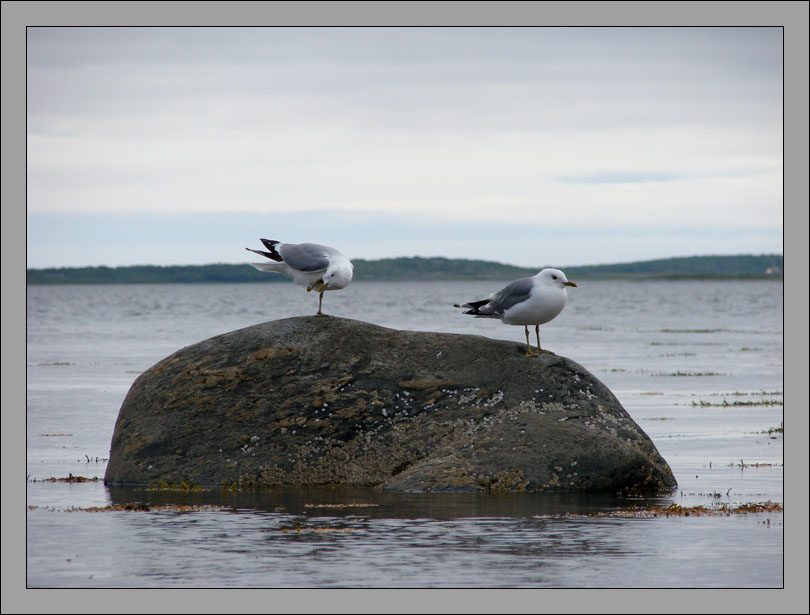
<point>680,373</point>
<point>351,505</point>
<point>676,510</point>
<point>70,479</point>
<point>726,404</point>
<point>182,486</point>
<point>318,530</point>
<point>743,465</point>
<point>139,506</point>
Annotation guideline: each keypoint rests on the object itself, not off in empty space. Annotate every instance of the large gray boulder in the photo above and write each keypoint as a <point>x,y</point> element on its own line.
<point>330,401</point>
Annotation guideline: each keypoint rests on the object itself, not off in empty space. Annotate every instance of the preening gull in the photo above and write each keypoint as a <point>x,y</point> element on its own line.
<point>528,301</point>
<point>308,264</point>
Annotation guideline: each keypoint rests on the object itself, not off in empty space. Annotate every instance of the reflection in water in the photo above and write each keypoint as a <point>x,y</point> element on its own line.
<point>336,502</point>
<point>461,540</point>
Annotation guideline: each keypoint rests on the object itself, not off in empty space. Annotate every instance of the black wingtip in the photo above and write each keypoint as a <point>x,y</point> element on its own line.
<point>270,244</point>
<point>475,305</point>
<point>263,253</point>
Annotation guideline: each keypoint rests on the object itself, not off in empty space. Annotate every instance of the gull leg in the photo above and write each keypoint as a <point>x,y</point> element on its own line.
<point>320,303</point>
<point>537,332</point>
<point>529,351</point>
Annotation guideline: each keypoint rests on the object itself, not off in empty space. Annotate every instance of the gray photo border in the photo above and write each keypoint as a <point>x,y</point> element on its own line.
<point>793,16</point>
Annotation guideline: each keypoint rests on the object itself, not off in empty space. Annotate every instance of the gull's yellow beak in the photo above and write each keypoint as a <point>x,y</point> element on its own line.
<point>570,284</point>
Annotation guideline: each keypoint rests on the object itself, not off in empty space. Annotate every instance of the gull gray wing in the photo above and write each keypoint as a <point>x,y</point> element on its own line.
<point>512,294</point>
<point>305,256</point>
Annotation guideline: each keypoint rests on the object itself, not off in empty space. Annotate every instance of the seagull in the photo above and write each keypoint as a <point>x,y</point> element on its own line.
<point>534,300</point>
<point>311,265</point>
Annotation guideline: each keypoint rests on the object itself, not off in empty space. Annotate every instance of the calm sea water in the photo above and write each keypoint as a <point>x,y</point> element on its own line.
<point>697,364</point>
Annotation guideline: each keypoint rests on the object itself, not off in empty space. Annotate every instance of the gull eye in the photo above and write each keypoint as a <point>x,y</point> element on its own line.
<point>554,277</point>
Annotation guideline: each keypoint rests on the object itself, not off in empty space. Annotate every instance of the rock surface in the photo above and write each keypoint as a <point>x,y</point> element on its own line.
<point>330,401</point>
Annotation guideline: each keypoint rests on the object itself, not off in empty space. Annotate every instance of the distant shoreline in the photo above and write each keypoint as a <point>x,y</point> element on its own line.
<point>748,266</point>
<point>423,269</point>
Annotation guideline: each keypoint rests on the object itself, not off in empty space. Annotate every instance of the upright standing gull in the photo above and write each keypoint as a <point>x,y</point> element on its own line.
<point>528,301</point>
<point>308,264</point>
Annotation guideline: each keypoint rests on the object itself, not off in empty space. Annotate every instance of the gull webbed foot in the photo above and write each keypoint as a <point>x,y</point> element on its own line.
<point>529,351</point>
<point>316,284</point>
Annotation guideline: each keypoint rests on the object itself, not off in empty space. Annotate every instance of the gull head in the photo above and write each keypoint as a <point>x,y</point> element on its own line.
<point>338,276</point>
<point>554,277</point>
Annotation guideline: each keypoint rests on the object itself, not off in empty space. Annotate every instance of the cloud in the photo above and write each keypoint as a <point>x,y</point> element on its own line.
<point>540,126</point>
<point>612,177</point>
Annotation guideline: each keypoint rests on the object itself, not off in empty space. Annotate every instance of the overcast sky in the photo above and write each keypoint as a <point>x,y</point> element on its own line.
<point>529,146</point>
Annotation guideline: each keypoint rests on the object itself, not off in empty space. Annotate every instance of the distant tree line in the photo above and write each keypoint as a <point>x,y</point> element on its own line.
<point>147,274</point>
<point>435,268</point>
<point>421,269</point>
<point>721,266</point>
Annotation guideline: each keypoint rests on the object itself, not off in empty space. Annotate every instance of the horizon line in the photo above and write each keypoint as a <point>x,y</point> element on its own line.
<point>648,260</point>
